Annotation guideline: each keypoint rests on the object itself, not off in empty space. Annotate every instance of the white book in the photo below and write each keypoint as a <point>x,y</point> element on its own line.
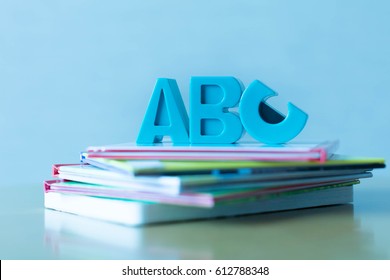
<point>131,212</point>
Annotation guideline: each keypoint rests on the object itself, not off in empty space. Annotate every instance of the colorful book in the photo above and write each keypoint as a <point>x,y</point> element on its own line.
<point>175,185</point>
<point>132,212</point>
<point>205,199</point>
<point>177,167</point>
<point>232,152</point>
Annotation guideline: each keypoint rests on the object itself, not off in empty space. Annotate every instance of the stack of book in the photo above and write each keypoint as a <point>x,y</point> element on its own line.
<point>136,185</point>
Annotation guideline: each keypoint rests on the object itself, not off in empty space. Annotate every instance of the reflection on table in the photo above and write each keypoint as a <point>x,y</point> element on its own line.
<point>317,233</point>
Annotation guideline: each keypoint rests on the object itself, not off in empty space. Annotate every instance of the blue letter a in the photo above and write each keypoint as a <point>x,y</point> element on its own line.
<point>165,115</point>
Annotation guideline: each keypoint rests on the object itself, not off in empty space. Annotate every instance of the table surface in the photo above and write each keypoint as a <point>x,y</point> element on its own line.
<point>353,231</point>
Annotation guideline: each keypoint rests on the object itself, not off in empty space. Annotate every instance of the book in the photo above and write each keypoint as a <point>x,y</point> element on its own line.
<point>133,184</point>
<point>179,167</point>
<point>205,199</point>
<point>175,185</point>
<point>132,212</point>
<point>232,152</point>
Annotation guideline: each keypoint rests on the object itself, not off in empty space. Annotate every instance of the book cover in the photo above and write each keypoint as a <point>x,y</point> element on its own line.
<point>237,151</point>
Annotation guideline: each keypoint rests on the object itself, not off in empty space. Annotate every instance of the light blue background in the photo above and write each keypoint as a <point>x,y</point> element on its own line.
<point>77,73</point>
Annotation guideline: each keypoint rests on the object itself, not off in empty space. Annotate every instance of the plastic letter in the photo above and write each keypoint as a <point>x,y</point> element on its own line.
<point>165,116</point>
<point>210,120</point>
<point>264,130</point>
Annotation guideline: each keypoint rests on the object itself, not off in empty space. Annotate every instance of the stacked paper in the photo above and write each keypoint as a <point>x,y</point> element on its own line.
<point>134,185</point>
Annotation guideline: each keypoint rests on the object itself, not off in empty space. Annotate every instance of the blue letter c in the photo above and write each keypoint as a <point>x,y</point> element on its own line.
<point>262,130</point>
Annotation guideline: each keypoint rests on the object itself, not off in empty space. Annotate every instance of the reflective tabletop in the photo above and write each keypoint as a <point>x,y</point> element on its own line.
<point>352,231</point>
